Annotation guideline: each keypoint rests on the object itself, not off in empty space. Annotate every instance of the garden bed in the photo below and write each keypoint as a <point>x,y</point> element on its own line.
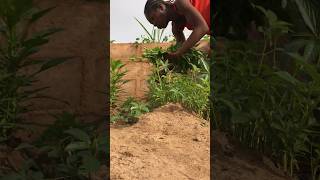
<point>172,143</point>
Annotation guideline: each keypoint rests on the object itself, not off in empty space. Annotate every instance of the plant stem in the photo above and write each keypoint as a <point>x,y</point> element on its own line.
<point>274,53</point>
<point>263,53</point>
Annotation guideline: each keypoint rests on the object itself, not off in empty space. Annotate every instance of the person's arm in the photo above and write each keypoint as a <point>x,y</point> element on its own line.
<point>178,33</point>
<point>194,17</point>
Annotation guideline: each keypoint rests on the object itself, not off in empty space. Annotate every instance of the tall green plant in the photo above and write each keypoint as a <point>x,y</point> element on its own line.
<point>117,74</point>
<point>268,109</point>
<point>153,36</point>
<point>16,50</point>
<point>185,81</point>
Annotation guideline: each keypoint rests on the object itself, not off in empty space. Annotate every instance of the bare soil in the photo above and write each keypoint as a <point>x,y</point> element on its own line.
<point>172,143</point>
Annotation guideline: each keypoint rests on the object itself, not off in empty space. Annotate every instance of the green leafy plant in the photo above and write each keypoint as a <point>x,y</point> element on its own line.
<point>153,36</point>
<point>307,43</point>
<point>130,111</point>
<point>270,111</point>
<point>273,29</point>
<point>179,82</point>
<point>16,50</point>
<point>268,108</point>
<point>55,132</point>
<point>84,151</point>
<point>77,152</point>
<point>181,65</point>
<point>116,74</point>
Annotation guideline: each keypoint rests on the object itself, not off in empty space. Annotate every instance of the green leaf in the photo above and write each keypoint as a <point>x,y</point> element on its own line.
<point>54,153</point>
<point>34,42</point>
<point>52,63</point>
<point>296,45</point>
<point>45,149</point>
<point>51,98</point>
<point>308,13</point>
<point>144,28</point>
<point>310,69</point>
<point>287,77</point>
<point>309,50</point>
<point>24,146</point>
<point>40,14</point>
<point>74,146</point>
<point>79,134</point>
<point>46,33</point>
<point>25,53</point>
<point>284,3</point>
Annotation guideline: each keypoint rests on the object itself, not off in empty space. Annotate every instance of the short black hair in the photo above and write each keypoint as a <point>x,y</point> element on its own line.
<point>151,5</point>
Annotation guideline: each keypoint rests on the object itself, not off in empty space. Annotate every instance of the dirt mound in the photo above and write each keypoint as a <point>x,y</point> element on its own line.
<point>230,161</point>
<point>171,143</point>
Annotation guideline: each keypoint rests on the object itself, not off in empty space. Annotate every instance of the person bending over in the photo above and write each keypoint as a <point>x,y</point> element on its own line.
<point>192,14</point>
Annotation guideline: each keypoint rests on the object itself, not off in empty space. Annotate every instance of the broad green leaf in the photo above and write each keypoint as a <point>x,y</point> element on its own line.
<point>24,146</point>
<point>308,14</point>
<point>309,50</point>
<point>74,146</point>
<point>284,3</point>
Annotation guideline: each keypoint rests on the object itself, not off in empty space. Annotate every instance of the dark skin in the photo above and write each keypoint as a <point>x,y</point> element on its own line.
<point>185,13</point>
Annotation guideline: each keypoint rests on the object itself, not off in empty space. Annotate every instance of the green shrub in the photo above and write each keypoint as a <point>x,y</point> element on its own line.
<point>130,110</point>
<point>269,108</point>
<point>116,74</point>
<point>16,50</point>
<point>77,152</point>
<point>180,81</point>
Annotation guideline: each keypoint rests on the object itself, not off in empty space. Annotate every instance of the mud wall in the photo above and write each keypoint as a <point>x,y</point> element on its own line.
<point>81,80</point>
<point>138,71</point>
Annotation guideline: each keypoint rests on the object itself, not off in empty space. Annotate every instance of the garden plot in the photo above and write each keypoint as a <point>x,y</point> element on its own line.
<point>167,136</point>
<point>172,143</point>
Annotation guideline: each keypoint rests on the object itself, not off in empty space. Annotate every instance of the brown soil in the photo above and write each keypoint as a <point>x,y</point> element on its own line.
<point>171,143</point>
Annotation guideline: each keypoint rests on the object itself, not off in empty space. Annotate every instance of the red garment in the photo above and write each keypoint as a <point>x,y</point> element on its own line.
<point>203,6</point>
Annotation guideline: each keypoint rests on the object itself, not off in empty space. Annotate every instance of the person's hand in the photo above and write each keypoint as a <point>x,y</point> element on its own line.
<point>172,55</point>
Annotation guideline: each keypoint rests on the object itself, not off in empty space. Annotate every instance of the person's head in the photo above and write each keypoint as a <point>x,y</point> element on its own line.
<point>156,12</point>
